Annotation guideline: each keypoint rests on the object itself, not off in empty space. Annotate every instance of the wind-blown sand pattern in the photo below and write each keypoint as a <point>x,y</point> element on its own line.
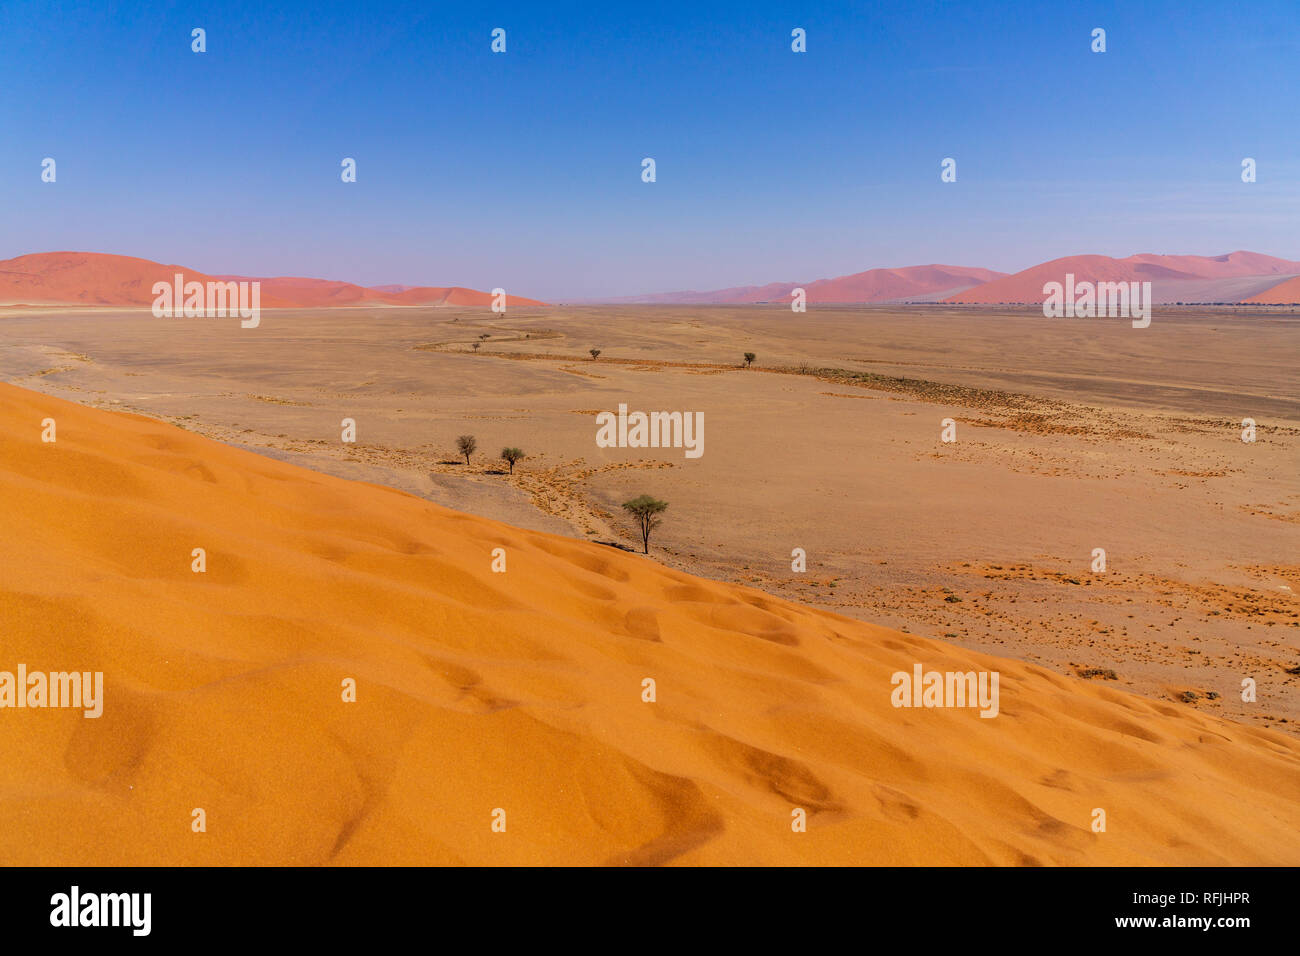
<point>522,691</point>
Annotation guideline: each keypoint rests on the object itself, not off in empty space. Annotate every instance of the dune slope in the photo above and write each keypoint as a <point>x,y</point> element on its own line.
<point>1284,293</point>
<point>521,691</point>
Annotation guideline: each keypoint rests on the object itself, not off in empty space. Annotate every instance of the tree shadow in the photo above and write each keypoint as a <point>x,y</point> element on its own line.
<point>617,544</point>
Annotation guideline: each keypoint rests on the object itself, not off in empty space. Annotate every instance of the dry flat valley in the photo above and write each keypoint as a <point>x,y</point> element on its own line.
<point>1072,436</point>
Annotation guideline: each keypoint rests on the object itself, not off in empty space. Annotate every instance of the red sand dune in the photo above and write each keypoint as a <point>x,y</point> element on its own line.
<point>101,279</point>
<point>879,285</point>
<point>874,285</point>
<point>1027,286</point>
<point>1284,293</point>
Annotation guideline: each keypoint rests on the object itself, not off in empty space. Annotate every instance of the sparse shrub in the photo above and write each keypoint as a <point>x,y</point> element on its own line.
<point>1090,672</point>
<point>645,510</point>
<point>512,455</point>
<point>467,444</point>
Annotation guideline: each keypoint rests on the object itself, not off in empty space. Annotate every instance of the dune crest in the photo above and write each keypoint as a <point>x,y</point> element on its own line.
<point>522,691</point>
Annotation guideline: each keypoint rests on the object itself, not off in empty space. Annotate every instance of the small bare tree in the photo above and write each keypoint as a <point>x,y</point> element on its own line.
<point>467,445</point>
<point>595,354</point>
<point>475,346</point>
<point>645,511</point>
<point>749,359</point>
<point>512,455</point>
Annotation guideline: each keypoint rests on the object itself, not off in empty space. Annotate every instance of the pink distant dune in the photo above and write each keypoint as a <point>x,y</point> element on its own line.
<point>1027,286</point>
<point>874,285</point>
<point>100,279</point>
<point>1284,293</point>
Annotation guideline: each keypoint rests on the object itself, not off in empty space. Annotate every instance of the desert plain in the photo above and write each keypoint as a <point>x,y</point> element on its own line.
<point>1123,687</point>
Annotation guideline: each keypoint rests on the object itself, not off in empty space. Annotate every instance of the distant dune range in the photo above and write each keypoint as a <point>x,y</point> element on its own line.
<point>874,285</point>
<point>523,691</point>
<point>1232,278</point>
<point>99,279</point>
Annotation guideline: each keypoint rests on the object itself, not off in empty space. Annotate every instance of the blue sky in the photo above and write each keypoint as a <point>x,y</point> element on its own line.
<point>523,170</point>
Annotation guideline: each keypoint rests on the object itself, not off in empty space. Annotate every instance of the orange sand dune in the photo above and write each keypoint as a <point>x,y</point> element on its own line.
<point>1027,285</point>
<point>521,691</point>
<point>92,278</point>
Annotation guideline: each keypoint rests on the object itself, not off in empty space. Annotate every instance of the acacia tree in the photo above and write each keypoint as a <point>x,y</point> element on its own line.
<point>749,359</point>
<point>467,444</point>
<point>595,354</point>
<point>645,511</point>
<point>512,455</point>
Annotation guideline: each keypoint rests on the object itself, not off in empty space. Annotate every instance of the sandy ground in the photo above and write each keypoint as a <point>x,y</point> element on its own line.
<point>517,696</point>
<point>1072,435</point>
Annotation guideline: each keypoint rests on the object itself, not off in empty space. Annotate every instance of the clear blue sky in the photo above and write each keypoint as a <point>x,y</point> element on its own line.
<point>522,170</point>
